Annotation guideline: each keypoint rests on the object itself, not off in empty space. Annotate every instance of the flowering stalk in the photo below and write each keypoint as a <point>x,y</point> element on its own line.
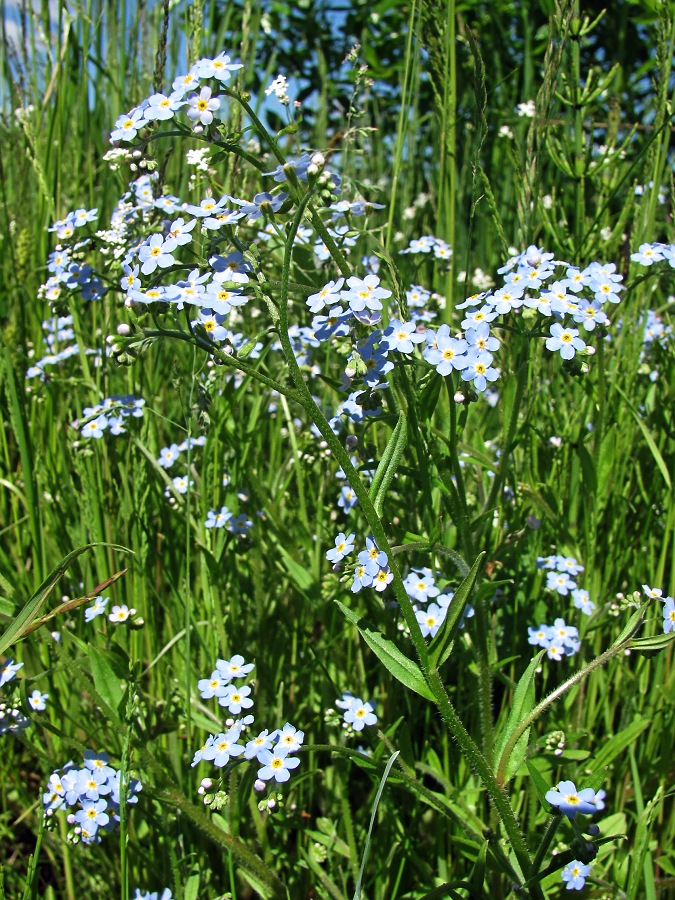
<point>578,677</point>
<point>315,219</point>
<point>454,724</point>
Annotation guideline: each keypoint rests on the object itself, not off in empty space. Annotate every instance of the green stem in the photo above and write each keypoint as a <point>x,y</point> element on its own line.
<point>579,160</point>
<point>503,467</point>
<point>552,697</point>
<point>542,849</point>
<point>226,360</point>
<point>454,724</point>
<point>28,892</point>
<point>401,127</point>
<point>465,533</point>
<point>448,164</point>
<point>320,228</point>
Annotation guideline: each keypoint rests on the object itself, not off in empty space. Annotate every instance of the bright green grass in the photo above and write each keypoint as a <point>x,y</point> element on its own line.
<point>604,496</point>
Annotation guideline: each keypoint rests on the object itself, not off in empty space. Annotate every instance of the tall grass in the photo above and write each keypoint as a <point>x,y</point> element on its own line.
<point>438,139</point>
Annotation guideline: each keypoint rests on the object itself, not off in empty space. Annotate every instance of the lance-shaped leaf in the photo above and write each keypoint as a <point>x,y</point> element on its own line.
<point>21,623</point>
<point>389,463</point>
<point>441,646</point>
<point>521,706</point>
<point>403,669</point>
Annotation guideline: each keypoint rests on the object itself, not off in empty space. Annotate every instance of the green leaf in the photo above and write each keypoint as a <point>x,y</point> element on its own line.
<point>605,463</point>
<point>657,642</point>
<point>630,627</point>
<point>106,682</point>
<point>298,573</point>
<point>590,480</point>
<point>441,646</point>
<point>617,744</point>
<point>191,891</point>
<point>389,463</point>
<point>635,886</point>
<point>429,398</point>
<point>540,783</point>
<point>402,668</point>
<point>651,443</point>
<point>521,706</point>
<point>366,849</point>
<point>478,873</point>
<point>6,607</point>
<point>22,622</point>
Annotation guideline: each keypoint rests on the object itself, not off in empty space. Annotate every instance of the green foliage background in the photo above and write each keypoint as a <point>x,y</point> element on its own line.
<point>447,80</point>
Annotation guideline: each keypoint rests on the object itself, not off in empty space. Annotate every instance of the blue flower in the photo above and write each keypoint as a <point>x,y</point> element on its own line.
<point>570,801</point>
<point>431,619</point>
<point>343,547</point>
<point>564,340</point>
<point>8,671</point>
<point>583,601</point>
<point>372,557</point>
<point>235,699</point>
<point>277,764</point>
<point>575,875</point>
<point>669,615</point>
<point>218,519</point>
<point>560,582</point>
<point>224,747</point>
<point>402,336</point>
<point>444,352</point>
<point>357,713</point>
<point>96,609</point>
<point>263,205</point>
<point>347,499</point>
<point>289,737</point>
<point>38,701</point>
<point>168,456</point>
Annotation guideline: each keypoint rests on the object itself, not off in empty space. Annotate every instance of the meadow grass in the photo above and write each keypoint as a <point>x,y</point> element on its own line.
<point>445,795</point>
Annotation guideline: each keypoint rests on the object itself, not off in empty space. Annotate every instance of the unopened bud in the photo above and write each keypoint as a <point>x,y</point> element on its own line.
<point>459,397</point>
<point>123,329</point>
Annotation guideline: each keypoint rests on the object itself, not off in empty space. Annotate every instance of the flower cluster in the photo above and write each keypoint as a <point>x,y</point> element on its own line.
<point>169,455</point>
<point>421,587</point>
<point>96,789</point>
<point>240,524</point>
<point>559,572</point>
<point>66,271</point>
<point>12,720</point>
<point>668,607</point>
<point>372,569</point>
<point>111,415</point>
<point>429,244</point>
<point>558,640</point>
<point>58,334</point>
<point>271,750</point>
<point>155,895</point>
<point>8,671</point>
<point>200,106</point>
<point>357,713</point>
